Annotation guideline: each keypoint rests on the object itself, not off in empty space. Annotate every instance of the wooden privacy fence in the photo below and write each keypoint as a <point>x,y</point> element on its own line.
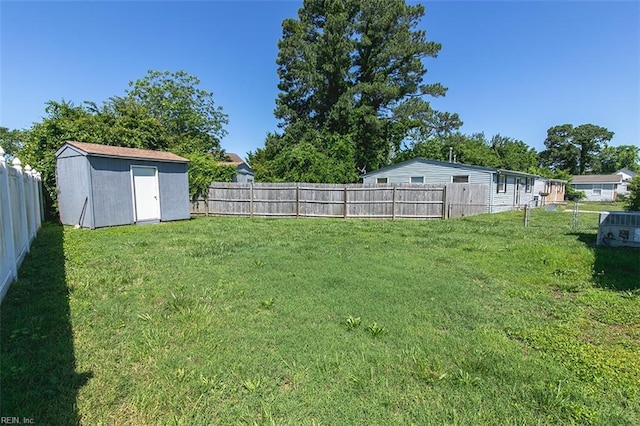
<point>398,201</point>
<point>21,215</point>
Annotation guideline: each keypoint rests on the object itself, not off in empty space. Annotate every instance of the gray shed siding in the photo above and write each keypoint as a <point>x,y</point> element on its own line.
<point>111,191</point>
<point>174,191</point>
<point>107,185</point>
<point>113,196</point>
<point>72,173</point>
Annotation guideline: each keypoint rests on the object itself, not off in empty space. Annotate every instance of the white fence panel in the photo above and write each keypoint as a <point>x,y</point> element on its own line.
<point>20,216</point>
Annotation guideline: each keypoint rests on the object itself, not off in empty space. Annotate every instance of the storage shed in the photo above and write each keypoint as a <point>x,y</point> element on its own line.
<point>100,185</point>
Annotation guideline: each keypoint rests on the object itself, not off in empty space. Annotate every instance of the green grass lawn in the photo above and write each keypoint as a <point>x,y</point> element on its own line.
<point>598,206</point>
<point>340,322</point>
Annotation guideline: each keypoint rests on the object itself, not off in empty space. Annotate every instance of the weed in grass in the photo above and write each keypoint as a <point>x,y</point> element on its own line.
<point>376,329</point>
<point>352,322</point>
<point>267,303</point>
<point>252,385</point>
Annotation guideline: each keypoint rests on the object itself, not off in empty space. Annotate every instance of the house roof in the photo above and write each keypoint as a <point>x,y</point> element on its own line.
<point>447,164</point>
<point>627,172</point>
<point>235,159</point>
<point>596,179</point>
<point>122,152</point>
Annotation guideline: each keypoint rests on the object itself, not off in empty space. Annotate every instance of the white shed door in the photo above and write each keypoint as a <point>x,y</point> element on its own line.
<point>145,193</point>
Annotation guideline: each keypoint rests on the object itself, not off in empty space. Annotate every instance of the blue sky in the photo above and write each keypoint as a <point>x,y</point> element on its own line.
<point>514,68</point>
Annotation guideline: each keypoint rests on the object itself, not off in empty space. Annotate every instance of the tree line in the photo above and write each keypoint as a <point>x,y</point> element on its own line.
<point>352,98</point>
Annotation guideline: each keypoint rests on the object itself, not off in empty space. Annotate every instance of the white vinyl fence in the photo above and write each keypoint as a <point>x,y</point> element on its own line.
<point>21,215</point>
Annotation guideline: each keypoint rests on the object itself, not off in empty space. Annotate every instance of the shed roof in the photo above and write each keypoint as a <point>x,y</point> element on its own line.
<point>454,165</point>
<point>122,152</point>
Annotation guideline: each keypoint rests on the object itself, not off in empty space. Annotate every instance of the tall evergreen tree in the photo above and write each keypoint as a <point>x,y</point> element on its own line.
<point>351,74</point>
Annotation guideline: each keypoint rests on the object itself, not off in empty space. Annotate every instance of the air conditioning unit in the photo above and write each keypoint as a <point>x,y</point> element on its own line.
<point>619,229</point>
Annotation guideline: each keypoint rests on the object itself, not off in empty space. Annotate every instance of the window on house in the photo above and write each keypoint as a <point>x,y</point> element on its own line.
<point>529,184</point>
<point>502,183</point>
<point>417,179</point>
<point>381,180</point>
<point>597,189</point>
<point>460,179</point>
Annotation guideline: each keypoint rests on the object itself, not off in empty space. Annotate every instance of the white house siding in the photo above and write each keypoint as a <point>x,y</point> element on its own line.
<point>442,173</point>
<point>432,173</point>
<point>516,195</point>
<point>607,191</point>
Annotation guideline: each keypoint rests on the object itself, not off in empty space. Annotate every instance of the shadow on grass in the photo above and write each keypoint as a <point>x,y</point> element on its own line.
<point>38,372</point>
<point>613,268</point>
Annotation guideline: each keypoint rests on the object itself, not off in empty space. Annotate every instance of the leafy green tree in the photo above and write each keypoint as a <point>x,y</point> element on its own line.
<point>189,116</point>
<point>11,141</point>
<point>351,74</point>
<point>575,149</point>
<point>633,200</point>
<point>513,154</point>
<point>500,152</point>
<point>204,169</point>
<point>614,158</point>
<point>65,121</point>
<point>162,111</point>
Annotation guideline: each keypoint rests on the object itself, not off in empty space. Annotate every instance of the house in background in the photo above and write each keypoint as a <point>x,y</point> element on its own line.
<point>507,189</point>
<point>550,191</point>
<point>598,187</point>
<point>244,173</point>
<point>627,177</point>
<point>100,185</point>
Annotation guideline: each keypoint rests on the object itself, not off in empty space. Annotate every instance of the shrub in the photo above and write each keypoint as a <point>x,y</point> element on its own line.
<point>633,200</point>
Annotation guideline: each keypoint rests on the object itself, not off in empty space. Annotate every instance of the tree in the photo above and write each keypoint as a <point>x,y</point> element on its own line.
<point>633,201</point>
<point>500,152</point>
<point>575,149</point>
<point>614,158</point>
<point>351,74</point>
<point>192,121</point>
<point>513,154</point>
<point>162,111</point>
<point>11,141</point>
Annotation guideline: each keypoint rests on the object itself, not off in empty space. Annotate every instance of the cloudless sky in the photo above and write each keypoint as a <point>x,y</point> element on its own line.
<point>514,68</point>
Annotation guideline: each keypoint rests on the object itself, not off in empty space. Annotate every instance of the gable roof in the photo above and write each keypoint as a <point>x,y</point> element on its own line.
<point>99,150</point>
<point>235,159</point>
<point>627,172</point>
<point>447,164</point>
<point>586,179</point>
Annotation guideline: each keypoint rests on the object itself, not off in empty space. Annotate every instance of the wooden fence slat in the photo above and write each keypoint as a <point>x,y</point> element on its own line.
<point>425,201</point>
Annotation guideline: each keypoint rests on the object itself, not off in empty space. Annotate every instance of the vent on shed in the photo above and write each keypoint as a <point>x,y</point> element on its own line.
<point>619,229</point>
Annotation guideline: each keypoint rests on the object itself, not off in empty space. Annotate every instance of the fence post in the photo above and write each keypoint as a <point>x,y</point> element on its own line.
<point>344,212</point>
<point>23,233</point>
<point>38,200</point>
<point>297,200</point>
<point>251,200</point>
<point>393,203</point>
<point>29,201</point>
<point>445,214</point>
<point>8,244</point>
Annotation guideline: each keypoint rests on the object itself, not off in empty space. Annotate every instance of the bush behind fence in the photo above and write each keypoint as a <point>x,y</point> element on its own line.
<point>21,215</point>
